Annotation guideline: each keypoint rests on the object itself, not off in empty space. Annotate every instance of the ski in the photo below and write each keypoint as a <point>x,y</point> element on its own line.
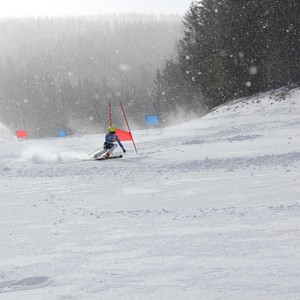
<point>110,157</point>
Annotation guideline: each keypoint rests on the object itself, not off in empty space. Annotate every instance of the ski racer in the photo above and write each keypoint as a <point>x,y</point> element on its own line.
<point>110,143</point>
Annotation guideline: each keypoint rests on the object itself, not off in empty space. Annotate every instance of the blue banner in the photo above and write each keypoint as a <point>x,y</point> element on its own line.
<point>152,120</point>
<point>62,133</point>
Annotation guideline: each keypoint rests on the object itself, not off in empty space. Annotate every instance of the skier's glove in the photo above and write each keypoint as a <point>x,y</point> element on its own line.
<point>124,150</point>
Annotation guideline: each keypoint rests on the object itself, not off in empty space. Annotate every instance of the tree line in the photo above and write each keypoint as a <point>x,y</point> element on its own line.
<point>60,73</point>
<point>231,49</point>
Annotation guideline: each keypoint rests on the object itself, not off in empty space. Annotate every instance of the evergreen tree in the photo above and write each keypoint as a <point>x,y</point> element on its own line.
<point>72,67</point>
<point>232,49</point>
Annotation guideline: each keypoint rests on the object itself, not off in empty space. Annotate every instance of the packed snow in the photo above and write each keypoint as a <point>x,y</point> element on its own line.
<point>209,209</point>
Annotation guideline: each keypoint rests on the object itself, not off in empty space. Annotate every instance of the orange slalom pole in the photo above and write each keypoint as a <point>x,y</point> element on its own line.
<point>110,113</point>
<point>128,126</point>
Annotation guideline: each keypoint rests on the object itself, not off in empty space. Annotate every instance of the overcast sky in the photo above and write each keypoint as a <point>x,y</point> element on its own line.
<point>21,8</point>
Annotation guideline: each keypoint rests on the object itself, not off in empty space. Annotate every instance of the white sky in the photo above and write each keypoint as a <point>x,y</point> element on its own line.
<point>21,8</point>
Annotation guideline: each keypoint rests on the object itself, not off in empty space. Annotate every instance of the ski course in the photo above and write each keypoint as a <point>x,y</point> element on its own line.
<point>208,209</point>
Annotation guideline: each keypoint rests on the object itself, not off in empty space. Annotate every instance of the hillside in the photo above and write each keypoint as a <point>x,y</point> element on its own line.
<point>209,209</point>
<point>63,71</point>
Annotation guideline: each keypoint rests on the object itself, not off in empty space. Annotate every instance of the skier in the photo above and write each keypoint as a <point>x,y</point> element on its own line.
<point>110,143</point>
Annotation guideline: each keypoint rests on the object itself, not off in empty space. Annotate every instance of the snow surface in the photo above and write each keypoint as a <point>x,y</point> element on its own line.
<point>6,134</point>
<point>209,209</point>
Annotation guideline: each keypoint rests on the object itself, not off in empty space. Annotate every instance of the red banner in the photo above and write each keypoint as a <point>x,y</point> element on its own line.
<point>21,134</point>
<point>124,135</point>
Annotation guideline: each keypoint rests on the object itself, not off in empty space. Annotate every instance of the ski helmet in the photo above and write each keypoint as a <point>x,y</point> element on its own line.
<point>112,129</point>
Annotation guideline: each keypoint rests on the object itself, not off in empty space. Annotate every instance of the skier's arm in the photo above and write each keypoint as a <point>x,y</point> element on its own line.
<point>120,144</point>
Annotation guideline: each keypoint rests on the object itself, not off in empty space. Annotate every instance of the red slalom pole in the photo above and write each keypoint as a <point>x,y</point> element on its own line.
<point>110,113</point>
<point>128,126</point>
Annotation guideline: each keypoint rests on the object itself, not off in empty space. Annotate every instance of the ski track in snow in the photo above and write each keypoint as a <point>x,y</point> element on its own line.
<point>209,209</point>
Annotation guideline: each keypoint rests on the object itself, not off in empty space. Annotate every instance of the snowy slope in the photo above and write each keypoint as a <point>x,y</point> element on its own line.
<point>6,134</point>
<point>210,209</point>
